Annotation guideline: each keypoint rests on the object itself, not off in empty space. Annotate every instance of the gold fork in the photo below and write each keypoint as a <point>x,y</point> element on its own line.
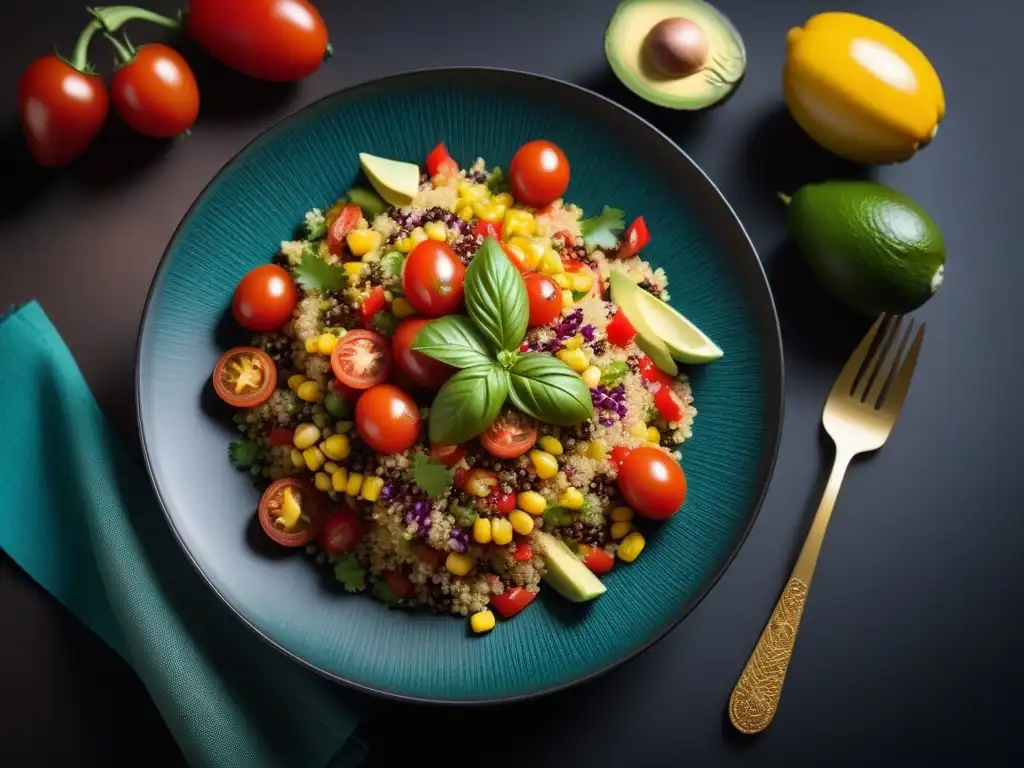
<point>859,414</point>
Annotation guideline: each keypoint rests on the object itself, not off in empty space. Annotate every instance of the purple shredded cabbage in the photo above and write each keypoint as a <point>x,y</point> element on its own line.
<point>611,401</point>
<point>458,540</point>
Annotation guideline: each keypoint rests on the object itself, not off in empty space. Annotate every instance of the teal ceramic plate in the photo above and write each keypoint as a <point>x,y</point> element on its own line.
<point>307,160</point>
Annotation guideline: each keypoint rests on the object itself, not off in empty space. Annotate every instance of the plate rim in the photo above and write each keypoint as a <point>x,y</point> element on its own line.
<point>765,471</point>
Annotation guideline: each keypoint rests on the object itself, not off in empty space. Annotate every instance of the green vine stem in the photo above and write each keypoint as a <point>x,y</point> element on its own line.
<point>113,17</point>
<point>125,52</point>
<point>784,197</point>
<point>80,56</point>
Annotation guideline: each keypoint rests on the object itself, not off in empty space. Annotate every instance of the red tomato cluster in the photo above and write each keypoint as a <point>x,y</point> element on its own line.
<point>63,104</point>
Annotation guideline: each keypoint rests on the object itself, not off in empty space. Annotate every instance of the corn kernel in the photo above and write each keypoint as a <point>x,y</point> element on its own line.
<point>501,531</point>
<point>488,211</point>
<point>322,481</point>
<point>310,345</point>
<point>544,464</point>
<point>597,450</point>
<point>561,280</point>
<point>631,547</point>
<point>550,262</point>
<point>621,514</point>
<point>296,457</point>
<point>355,484</point>
<point>314,458</point>
<point>653,435</point>
<point>372,486</point>
<point>464,212</point>
<point>482,621</point>
<point>354,268</point>
<point>295,380</point>
<point>330,467</point>
<point>518,223</point>
<point>531,502</point>
<point>309,391</point>
<point>521,522</point>
<point>504,198</point>
<point>567,300</point>
<point>305,436</point>
<point>436,230</point>
<point>574,342</point>
<point>325,343</point>
<point>591,376</point>
<point>418,236</point>
<point>362,241</point>
<point>458,564</point>
<point>482,530</point>
<point>574,358</point>
<point>339,480</point>
<point>582,282</point>
<point>401,308</point>
<point>571,498</point>
<point>552,445</point>
<point>469,191</point>
<point>404,245</point>
<point>531,248</point>
<point>638,429</point>
<point>336,447</point>
<point>620,529</point>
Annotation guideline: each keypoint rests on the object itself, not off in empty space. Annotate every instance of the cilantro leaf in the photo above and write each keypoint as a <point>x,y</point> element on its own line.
<point>464,516</point>
<point>315,274</point>
<point>243,453</point>
<point>602,231</point>
<point>433,478</point>
<point>349,572</point>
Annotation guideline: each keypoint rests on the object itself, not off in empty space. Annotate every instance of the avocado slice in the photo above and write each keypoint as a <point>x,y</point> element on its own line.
<point>627,295</point>
<point>680,54</point>
<point>686,342</point>
<point>397,182</point>
<point>566,573</point>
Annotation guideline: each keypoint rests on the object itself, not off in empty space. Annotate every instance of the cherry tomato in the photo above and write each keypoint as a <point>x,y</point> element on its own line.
<point>280,436</point>
<point>651,373</point>
<point>422,370</point>
<point>439,161</point>
<point>387,419</point>
<point>361,359</point>
<point>503,502</point>
<point>538,174</point>
<point>618,455</point>
<point>276,40</point>
<point>634,239</point>
<point>264,299</point>
<point>428,555</point>
<point>597,560</point>
<point>279,503</point>
<point>545,298</point>
<point>652,483</point>
<point>398,583</point>
<point>155,92</point>
<point>62,110</point>
<point>348,219</point>
<point>449,455</point>
<point>668,405</point>
<point>341,532</point>
<point>512,601</point>
<point>432,278</point>
<point>487,229</point>
<point>374,303</point>
<point>523,552</point>
<point>620,331</point>
<point>512,434</point>
<point>244,377</point>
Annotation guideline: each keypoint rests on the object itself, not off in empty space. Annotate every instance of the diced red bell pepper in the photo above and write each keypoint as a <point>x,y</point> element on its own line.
<point>399,584</point>
<point>573,265</point>
<point>634,238</point>
<point>523,552</point>
<point>620,331</point>
<point>668,404</point>
<point>487,229</point>
<point>347,220</point>
<point>502,502</point>
<point>651,373</point>
<point>618,455</point>
<point>374,303</point>
<point>440,162</point>
<point>597,560</point>
<point>512,601</point>
<point>281,436</point>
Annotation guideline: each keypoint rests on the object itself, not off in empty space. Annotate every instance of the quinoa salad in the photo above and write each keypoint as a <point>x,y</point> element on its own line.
<point>441,402</point>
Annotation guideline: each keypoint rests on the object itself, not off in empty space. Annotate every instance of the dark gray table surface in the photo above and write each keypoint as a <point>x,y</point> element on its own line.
<point>911,645</point>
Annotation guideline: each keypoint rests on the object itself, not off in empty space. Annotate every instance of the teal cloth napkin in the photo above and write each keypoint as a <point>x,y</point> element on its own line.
<point>84,523</point>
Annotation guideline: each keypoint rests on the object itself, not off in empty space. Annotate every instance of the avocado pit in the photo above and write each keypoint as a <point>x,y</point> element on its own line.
<point>676,47</point>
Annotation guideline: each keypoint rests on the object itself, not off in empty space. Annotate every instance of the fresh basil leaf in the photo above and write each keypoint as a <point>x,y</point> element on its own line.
<point>467,403</point>
<point>549,390</point>
<point>496,297</point>
<point>453,339</point>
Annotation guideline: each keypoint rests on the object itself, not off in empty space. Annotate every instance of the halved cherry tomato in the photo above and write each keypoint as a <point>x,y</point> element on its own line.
<point>538,173</point>
<point>439,161</point>
<point>428,555</point>
<point>341,532</point>
<point>668,404</point>
<point>449,455</point>
<point>517,257</point>
<point>291,512</point>
<point>361,359</point>
<point>244,377</point>
<point>512,601</point>
<point>618,455</point>
<point>487,229</point>
<point>545,298</point>
<point>374,303</point>
<point>478,482</point>
<point>651,373</point>
<point>597,560</point>
<point>422,370</point>
<point>634,239</point>
<point>652,483</point>
<point>347,220</point>
<point>387,419</point>
<point>620,331</point>
<point>398,583</point>
<point>264,299</point>
<point>432,278</point>
<point>280,436</point>
<point>523,552</point>
<point>154,90</point>
<point>512,434</point>
<point>502,502</point>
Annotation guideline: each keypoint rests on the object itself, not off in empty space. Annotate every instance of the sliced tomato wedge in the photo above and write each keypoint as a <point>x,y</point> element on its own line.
<point>291,512</point>
<point>361,359</point>
<point>374,303</point>
<point>439,161</point>
<point>280,436</point>
<point>347,220</point>
<point>523,552</point>
<point>619,330</point>
<point>244,377</point>
<point>512,434</point>
<point>573,265</point>
<point>651,373</point>
<point>597,560</point>
<point>449,455</point>
<point>512,601</point>
<point>634,239</point>
<point>668,405</point>
<point>487,229</point>
<point>341,532</point>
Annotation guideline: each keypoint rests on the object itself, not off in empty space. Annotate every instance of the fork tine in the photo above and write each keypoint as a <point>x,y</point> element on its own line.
<point>874,363</point>
<point>844,383</point>
<point>887,364</point>
<point>901,380</point>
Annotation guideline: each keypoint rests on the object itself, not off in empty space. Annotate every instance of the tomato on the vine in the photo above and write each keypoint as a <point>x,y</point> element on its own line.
<point>264,299</point>
<point>422,370</point>
<point>387,419</point>
<point>545,298</point>
<point>652,483</point>
<point>361,359</point>
<point>539,173</point>
<point>510,435</point>
<point>341,532</point>
<point>154,90</point>
<point>432,278</point>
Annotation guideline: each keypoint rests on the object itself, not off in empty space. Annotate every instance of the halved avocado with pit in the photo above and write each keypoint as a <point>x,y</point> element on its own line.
<point>680,54</point>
